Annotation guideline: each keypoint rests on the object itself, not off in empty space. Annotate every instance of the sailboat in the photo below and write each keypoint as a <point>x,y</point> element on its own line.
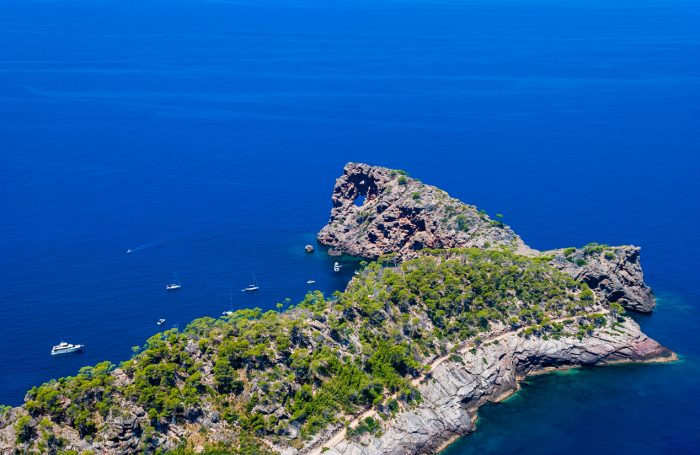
<point>252,287</point>
<point>173,286</point>
<point>230,298</point>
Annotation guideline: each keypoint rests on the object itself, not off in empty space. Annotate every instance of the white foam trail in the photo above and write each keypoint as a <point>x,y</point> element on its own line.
<point>157,242</point>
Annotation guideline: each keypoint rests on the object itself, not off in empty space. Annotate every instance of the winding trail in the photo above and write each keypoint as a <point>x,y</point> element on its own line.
<point>337,437</point>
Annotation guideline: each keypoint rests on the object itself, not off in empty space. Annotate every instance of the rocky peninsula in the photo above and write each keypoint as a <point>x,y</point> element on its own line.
<point>401,216</point>
<point>452,312</point>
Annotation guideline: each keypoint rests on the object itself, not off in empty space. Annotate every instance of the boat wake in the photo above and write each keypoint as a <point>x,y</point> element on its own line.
<point>159,242</point>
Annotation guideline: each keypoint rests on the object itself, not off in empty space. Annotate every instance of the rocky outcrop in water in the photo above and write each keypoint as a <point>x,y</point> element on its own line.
<point>399,214</point>
<point>378,211</point>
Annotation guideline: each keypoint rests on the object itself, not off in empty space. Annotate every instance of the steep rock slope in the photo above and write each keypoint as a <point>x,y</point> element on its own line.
<point>457,388</point>
<point>614,273</point>
<point>400,216</point>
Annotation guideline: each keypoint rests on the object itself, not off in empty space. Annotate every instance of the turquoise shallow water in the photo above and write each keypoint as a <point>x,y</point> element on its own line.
<point>207,135</point>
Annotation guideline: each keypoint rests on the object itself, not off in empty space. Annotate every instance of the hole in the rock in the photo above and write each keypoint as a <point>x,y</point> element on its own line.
<point>615,296</point>
<point>359,200</point>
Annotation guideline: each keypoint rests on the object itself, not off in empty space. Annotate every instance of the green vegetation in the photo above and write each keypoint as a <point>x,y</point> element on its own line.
<point>462,222</point>
<point>245,445</point>
<point>271,373</point>
<point>595,248</point>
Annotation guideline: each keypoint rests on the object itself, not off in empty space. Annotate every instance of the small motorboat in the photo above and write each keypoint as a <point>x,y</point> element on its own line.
<point>66,348</point>
<point>311,282</point>
<point>336,267</point>
<point>160,321</point>
<point>129,251</point>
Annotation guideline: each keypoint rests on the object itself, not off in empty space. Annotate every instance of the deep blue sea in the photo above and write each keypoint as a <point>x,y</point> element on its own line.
<point>207,135</point>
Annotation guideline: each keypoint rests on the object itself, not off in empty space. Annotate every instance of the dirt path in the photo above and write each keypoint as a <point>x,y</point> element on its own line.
<point>339,435</point>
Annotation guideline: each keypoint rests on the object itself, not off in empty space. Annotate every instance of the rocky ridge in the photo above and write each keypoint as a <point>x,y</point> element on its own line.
<point>379,211</point>
<point>457,388</point>
<point>614,273</point>
<point>401,215</point>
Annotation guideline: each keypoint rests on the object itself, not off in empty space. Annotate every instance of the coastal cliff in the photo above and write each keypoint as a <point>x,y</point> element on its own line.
<point>614,273</point>
<point>397,363</point>
<point>457,388</point>
<point>400,216</point>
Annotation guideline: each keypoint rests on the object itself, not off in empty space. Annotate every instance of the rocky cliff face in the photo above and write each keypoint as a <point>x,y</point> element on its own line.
<point>457,389</point>
<point>401,215</point>
<point>614,273</point>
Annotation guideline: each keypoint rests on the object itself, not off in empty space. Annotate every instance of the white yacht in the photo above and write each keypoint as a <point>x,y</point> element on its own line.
<point>336,267</point>
<point>66,348</point>
<point>173,286</point>
<point>160,321</point>
<point>311,282</point>
<point>252,287</point>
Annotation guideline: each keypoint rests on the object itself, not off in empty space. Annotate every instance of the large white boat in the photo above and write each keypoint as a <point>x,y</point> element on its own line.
<point>66,348</point>
<point>173,286</point>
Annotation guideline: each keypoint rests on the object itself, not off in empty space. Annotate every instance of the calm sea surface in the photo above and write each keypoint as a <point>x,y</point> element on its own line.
<point>207,135</point>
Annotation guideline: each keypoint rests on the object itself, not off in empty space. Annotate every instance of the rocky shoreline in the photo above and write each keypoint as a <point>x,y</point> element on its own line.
<point>457,389</point>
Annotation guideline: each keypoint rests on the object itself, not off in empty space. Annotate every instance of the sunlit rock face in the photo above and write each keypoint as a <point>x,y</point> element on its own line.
<point>379,211</point>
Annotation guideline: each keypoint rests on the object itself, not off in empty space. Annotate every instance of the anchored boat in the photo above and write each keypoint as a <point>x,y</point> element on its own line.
<point>66,348</point>
<point>173,286</point>
<point>252,287</point>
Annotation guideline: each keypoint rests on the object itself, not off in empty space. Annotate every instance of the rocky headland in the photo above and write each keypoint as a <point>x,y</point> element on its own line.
<point>400,216</point>
<point>453,312</point>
